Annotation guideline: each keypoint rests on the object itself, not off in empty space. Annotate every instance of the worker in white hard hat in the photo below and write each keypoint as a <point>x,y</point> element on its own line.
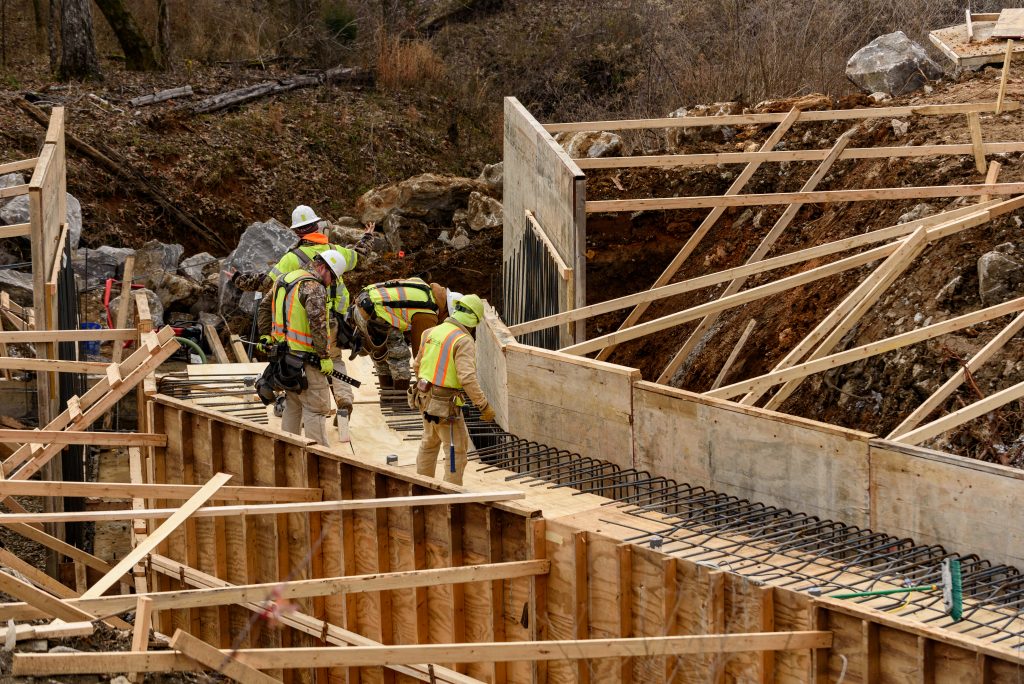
<point>446,367</point>
<point>301,335</point>
<point>306,225</point>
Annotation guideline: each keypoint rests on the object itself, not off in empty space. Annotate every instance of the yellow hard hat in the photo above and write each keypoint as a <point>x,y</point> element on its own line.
<point>469,310</point>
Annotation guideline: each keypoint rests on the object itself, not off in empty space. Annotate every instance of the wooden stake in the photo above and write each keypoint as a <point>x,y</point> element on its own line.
<point>213,340</point>
<point>991,177</point>
<point>1007,60</point>
<point>733,354</point>
<point>974,125</point>
<point>124,305</point>
<point>140,634</point>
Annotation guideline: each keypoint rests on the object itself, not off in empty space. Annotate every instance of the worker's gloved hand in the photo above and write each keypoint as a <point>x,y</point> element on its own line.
<point>266,344</point>
<point>487,415</point>
<point>326,366</point>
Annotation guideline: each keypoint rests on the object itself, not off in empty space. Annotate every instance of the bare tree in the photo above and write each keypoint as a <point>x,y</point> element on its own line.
<point>51,35</point>
<point>78,46</point>
<point>163,31</point>
<point>138,54</point>
<point>40,22</point>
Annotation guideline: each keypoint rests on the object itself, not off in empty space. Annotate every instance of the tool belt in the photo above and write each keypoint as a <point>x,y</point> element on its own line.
<point>286,371</point>
<point>435,403</point>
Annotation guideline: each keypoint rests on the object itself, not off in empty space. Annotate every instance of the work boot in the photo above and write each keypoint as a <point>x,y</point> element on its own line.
<point>386,382</point>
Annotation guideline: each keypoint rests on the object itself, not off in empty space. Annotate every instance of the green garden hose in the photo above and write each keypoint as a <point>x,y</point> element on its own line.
<point>193,346</point>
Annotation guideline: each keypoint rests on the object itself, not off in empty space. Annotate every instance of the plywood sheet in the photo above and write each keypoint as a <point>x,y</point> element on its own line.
<point>944,499</point>
<point>1010,24</point>
<point>571,403</point>
<point>760,455</point>
<point>952,41</point>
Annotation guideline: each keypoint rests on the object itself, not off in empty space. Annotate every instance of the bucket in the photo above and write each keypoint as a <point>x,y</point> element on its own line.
<point>91,348</point>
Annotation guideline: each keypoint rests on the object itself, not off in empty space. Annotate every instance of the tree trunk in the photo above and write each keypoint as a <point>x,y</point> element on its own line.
<point>40,22</point>
<point>51,35</point>
<point>138,55</point>
<point>163,31</point>
<point>78,47</point>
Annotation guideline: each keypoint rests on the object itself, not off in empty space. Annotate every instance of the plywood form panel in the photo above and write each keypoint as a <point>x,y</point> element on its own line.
<point>401,556</point>
<point>605,603</point>
<point>764,456</point>
<point>561,597</point>
<point>478,605</point>
<point>585,407</point>
<point>205,532</point>
<point>265,458</point>
<point>944,499</point>
<point>491,338</point>
<point>239,556</point>
<point>368,606</point>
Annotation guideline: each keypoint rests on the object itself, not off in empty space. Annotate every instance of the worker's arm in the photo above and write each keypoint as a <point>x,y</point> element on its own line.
<point>465,369</point>
<point>265,313</point>
<point>419,354</point>
<point>250,281</point>
<point>313,296</point>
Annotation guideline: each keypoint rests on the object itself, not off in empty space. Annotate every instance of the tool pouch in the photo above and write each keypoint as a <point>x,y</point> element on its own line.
<point>418,395</point>
<point>286,372</point>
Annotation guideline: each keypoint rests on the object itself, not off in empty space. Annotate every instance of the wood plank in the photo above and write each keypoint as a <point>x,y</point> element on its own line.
<point>976,362</point>
<point>1005,77</point>
<point>22,165</point>
<point>706,225</point>
<point>143,318</point>
<point>849,312</point>
<point>961,416</point>
<point>970,25</point>
<point>216,347</point>
<point>991,177</point>
<point>13,191</point>
<point>266,509</point>
<point>976,213</point>
<point>564,270</point>
<point>819,197</point>
<point>16,230</point>
<point>218,661</point>
<point>119,490</point>
<point>45,602</point>
<point>238,349</point>
<point>56,630</point>
<point>124,304</point>
<point>753,294</point>
<point>978,142</point>
<point>79,437</point>
<point>1010,24</point>
<point>871,349</point>
<point>716,158</point>
<point>759,253</point>
<point>159,534</point>
<point>727,366</point>
<point>140,633</point>
<point>41,336</point>
<point>774,118</point>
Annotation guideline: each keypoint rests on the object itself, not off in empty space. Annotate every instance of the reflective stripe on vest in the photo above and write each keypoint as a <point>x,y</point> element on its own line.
<point>291,323</point>
<point>397,301</point>
<point>300,257</point>
<point>438,361</point>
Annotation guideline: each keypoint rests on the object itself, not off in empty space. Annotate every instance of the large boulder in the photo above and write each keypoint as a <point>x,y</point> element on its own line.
<point>156,256</point>
<point>94,266</point>
<point>156,307</point>
<point>430,197</point>
<point>10,180</point>
<point>259,248</point>
<point>493,176</point>
<point>348,231</point>
<point>1000,276</point>
<point>15,210</point>
<point>18,285</point>
<point>482,212</point>
<point>891,64</point>
<point>591,144</point>
<point>676,138</point>
<point>197,266</point>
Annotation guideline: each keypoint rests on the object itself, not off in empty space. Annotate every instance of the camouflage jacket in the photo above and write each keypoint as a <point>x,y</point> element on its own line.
<point>313,297</point>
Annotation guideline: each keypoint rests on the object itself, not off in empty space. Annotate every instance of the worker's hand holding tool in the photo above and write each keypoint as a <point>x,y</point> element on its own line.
<point>266,344</point>
<point>487,415</point>
<point>326,366</point>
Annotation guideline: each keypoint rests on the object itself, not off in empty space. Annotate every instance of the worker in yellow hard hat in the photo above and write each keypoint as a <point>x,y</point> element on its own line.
<point>446,368</point>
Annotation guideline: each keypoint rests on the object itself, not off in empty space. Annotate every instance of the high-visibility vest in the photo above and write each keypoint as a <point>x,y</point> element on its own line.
<point>437,363</point>
<point>291,324</point>
<point>302,256</point>
<point>397,301</point>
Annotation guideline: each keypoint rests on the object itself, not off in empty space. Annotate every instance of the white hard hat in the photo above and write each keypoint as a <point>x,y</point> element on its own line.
<point>303,216</point>
<point>334,260</point>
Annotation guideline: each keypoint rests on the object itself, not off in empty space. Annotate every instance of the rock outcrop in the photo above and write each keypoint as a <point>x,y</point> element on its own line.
<point>891,64</point>
<point>430,197</point>
<point>259,248</point>
<point>1000,275</point>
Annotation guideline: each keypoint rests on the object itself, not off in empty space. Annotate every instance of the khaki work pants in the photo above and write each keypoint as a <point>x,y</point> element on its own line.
<point>310,408</point>
<point>440,435</point>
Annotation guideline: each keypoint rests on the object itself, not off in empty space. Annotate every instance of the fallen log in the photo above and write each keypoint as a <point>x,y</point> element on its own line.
<point>258,90</point>
<point>114,164</point>
<point>162,96</point>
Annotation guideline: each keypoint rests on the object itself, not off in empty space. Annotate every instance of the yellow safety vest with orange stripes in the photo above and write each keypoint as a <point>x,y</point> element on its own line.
<point>291,324</point>
<point>397,301</point>
<point>437,363</point>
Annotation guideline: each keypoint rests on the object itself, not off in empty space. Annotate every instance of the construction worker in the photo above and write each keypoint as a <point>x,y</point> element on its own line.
<point>301,333</point>
<point>305,224</point>
<point>446,367</point>
<point>393,314</point>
